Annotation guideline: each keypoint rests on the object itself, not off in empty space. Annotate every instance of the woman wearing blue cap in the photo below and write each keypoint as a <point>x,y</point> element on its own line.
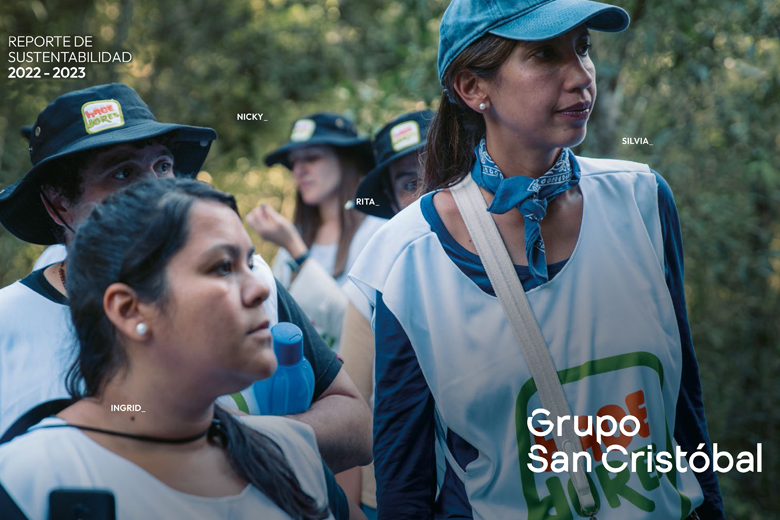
<point>596,246</point>
<point>327,158</point>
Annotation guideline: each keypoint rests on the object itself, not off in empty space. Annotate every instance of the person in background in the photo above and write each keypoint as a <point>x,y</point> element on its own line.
<point>595,244</point>
<point>169,316</point>
<point>327,159</point>
<point>84,146</point>
<point>397,148</point>
<point>392,184</point>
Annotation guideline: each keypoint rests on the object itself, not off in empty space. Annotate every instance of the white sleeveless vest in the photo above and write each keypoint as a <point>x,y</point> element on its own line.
<point>609,323</point>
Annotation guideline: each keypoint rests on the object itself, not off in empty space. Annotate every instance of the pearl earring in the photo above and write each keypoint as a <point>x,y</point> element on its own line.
<point>482,106</point>
<point>141,329</point>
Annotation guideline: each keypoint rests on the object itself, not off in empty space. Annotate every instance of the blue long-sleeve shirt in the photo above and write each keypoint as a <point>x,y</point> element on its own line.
<point>404,428</point>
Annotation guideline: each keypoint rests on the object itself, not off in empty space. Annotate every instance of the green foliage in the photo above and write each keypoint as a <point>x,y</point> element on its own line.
<point>700,80</point>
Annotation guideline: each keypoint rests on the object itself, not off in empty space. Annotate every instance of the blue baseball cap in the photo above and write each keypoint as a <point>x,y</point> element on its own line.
<point>321,129</point>
<point>465,21</point>
<point>83,120</point>
<point>400,137</point>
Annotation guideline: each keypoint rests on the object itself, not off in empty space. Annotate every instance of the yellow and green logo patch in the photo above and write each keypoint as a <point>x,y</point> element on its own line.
<point>403,135</point>
<point>102,115</point>
<point>302,130</point>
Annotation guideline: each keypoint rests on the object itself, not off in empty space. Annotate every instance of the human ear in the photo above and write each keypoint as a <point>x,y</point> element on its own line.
<point>126,312</point>
<point>471,89</point>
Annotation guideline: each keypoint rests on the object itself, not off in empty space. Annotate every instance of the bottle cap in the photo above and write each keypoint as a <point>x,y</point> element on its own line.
<point>288,343</point>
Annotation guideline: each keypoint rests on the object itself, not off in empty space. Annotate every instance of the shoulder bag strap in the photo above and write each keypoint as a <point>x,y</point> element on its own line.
<point>33,417</point>
<point>8,507</point>
<point>509,290</point>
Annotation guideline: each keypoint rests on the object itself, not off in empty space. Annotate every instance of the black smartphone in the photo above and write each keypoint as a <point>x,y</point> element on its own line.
<point>81,504</point>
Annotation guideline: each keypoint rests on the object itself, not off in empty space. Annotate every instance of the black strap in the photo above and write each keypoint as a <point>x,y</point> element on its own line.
<point>146,438</point>
<point>34,416</point>
<point>8,508</point>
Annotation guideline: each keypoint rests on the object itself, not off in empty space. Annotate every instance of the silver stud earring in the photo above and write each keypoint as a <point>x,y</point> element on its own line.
<point>482,106</point>
<point>141,329</point>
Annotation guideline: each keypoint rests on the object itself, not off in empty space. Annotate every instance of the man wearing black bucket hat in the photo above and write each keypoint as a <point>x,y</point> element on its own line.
<point>88,121</point>
<point>84,146</point>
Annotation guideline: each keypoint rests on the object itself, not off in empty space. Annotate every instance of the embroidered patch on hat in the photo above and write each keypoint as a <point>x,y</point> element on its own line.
<point>404,135</point>
<point>102,115</point>
<point>302,130</point>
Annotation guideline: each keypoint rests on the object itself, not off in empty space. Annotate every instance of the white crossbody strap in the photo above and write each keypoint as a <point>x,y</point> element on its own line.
<point>510,293</point>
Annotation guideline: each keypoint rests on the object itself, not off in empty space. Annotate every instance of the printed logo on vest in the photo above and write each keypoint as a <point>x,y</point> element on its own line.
<point>302,130</point>
<point>618,494</point>
<point>404,135</point>
<point>102,115</point>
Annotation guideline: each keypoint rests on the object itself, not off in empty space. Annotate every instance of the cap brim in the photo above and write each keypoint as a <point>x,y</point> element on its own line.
<point>555,18</point>
<point>280,155</point>
<point>21,210</point>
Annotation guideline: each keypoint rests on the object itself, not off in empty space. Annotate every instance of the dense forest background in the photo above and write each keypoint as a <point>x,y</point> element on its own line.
<point>699,79</point>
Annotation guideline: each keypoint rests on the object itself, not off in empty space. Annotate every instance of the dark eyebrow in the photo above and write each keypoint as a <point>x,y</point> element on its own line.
<point>231,250</point>
<point>114,161</point>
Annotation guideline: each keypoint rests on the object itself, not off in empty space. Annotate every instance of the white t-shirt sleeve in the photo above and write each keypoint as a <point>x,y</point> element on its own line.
<point>280,267</point>
<point>51,255</point>
<point>264,272</point>
<point>358,300</point>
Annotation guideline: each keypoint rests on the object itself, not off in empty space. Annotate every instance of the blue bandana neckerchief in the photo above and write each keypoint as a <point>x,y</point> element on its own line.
<point>530,196</point>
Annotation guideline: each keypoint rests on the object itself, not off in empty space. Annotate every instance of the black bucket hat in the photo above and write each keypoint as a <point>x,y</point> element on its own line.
<point>84,120</point>
<point>321,129</point>
<point>402,136</point>
<point>26,131</point>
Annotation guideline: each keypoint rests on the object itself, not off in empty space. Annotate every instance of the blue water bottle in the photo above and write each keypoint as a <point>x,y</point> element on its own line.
<point>290,389</point>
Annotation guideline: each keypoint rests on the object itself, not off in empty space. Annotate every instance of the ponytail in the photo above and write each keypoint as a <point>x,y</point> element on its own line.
<point>258,459</point>
<point>456,129</point>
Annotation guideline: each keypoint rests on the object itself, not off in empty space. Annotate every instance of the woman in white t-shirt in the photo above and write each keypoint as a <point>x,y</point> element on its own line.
<point>169,317</point>
<point>316,251</point>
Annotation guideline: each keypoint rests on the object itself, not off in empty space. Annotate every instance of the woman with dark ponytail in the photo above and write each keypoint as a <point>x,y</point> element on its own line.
<point>169,317</point>
<point>597,251</point>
